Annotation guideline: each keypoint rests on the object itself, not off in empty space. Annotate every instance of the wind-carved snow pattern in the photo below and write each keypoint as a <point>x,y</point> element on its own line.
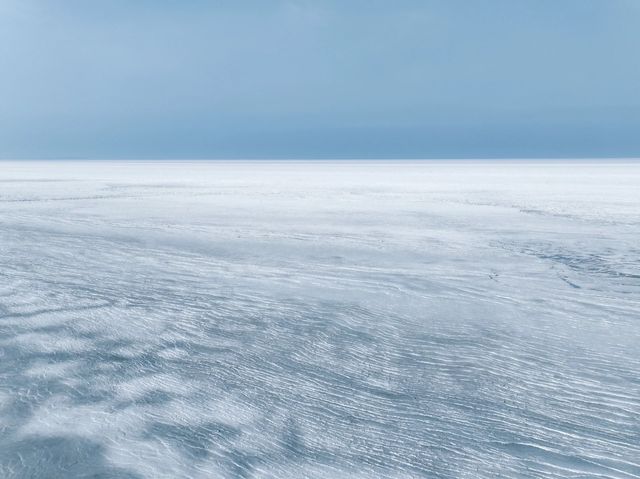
<point>287,320</point>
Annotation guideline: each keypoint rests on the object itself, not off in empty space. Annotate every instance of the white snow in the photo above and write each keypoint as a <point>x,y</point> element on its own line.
<point>320,319</point>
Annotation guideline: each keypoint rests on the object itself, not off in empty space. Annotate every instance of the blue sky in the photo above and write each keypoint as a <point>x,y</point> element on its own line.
<point>319,79</point>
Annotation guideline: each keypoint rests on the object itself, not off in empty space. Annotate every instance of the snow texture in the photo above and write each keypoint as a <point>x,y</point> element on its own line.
<point>320,319</point>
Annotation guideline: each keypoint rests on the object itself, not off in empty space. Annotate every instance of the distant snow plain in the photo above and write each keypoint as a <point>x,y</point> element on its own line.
<point>319,319</point>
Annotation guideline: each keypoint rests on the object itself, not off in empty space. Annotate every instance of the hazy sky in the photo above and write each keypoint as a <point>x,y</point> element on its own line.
<point>316,79</point>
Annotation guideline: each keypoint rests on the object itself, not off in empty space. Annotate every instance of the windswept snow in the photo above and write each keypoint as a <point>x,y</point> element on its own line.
<point>319,320</point>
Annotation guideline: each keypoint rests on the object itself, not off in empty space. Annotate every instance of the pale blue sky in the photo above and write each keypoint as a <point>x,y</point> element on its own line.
<point>319,79</point>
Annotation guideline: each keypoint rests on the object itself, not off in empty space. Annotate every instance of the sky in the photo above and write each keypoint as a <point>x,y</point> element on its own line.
<point>319,79</point>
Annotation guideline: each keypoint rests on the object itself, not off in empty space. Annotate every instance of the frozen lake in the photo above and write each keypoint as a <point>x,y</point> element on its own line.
<point>319,320</point>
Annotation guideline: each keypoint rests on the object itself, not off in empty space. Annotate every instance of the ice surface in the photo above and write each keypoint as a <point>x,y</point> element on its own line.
<point>289,320</point>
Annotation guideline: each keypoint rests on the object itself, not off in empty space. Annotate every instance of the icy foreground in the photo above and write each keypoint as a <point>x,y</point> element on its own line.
<point>288,320</point>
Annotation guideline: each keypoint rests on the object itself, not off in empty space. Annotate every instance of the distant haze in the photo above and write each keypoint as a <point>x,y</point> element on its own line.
<point>319,79</point>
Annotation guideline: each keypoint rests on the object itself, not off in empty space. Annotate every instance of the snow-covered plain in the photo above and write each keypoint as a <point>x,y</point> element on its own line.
<point>291,320</point>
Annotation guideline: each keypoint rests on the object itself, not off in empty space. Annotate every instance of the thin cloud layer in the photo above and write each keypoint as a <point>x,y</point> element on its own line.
<point>319,79</point>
